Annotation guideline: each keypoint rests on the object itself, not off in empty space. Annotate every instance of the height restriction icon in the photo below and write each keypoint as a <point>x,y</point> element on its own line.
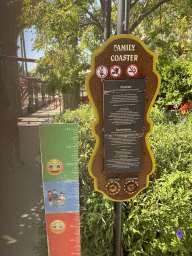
<point>101,71</point>
<point>132,70</point>
<point>115,71</point>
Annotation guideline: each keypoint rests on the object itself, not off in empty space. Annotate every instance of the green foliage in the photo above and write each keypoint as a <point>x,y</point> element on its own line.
<point>167,31</point>
<point>176,80</point>
<point>157,214</point>
<point>152,218</point>
<point>41,244</point>
<point>167,117</point>
<point>57,32</point>
<point>67,30</point>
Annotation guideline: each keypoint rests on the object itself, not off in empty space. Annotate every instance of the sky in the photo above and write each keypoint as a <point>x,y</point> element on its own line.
<point>32,54</point>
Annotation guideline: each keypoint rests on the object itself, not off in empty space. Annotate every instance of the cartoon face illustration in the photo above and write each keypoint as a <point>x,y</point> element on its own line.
<point>57,226</point>
<point>54,166</point>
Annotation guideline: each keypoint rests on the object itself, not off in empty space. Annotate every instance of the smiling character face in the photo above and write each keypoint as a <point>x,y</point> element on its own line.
<point>54,166</point>
<point>57,226</point>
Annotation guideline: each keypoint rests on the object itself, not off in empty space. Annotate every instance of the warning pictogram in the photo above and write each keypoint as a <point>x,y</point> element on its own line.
<point>132,70</point>
<point>115,71</point>
<point>101,71</point>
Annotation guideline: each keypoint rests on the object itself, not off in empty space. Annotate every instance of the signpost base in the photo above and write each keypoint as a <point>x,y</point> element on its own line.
<point>117,225</point>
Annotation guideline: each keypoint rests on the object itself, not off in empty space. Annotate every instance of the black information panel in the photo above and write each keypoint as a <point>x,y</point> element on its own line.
<point>124,109</point>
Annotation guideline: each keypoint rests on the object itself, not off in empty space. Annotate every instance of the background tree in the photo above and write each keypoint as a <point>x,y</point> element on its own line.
<point>57,34</point>
<point>167,31</point>
<point>69,31</point>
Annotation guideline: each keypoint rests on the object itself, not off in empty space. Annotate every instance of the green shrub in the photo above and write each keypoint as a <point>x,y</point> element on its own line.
<point>152,218</point>
<point>176,80</point>
<point>41,245</point>
<point>164,117</point>
<point>156,215</point>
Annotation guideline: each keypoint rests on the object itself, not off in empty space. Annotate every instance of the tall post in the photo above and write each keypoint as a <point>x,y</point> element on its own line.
<point>107,25</point>
<point>127,11</point>
<point>24,51</point>
<point>117,223</point>
<point>21,42</point>
<point>30,86</point>
<point>42,93</point>
<point>117,205</point>
<point>60,102</point>
<point>122,28</point>
<point>120,17</point>
<point>36,94</point>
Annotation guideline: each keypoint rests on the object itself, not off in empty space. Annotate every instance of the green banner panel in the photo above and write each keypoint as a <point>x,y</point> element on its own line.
<point>59,151</point>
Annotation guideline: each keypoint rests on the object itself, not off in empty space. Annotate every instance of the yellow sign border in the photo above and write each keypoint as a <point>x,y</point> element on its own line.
<point>93,56</point>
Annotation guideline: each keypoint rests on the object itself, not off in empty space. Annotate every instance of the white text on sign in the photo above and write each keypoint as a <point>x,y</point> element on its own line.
<point>124,57</point>
<point>124,47</point>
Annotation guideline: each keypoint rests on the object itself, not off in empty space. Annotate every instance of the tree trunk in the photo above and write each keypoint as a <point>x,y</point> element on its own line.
<point>71,99</point>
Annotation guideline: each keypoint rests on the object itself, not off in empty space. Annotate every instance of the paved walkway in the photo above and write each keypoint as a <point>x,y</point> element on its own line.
<point>21,190</point>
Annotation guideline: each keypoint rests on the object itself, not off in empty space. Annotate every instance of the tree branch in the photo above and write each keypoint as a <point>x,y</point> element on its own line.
<point>136,14</point>
<point>94,18</point>
<point>133,4</point>
<point>144,7</point>
<point>141,17</point>
<point>92,6</point>
<point>86,24</point>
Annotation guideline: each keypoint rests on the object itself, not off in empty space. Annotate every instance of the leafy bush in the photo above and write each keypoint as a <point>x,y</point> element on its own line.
<point>157,214</point>
<point>152,218</point>
<point>41,245</point>
<point>167,117</point>
<point>176,80</point>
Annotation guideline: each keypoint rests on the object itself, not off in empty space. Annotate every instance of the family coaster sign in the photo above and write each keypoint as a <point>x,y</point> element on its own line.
<point>59,153</point>
<point>122,88</point>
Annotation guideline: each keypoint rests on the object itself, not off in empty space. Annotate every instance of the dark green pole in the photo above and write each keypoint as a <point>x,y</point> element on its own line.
<point>127,11</point>
<point>120,17</point>
<point>117,223</point>
<point>117,215</point>
<point>122,28</point>
<point>107,25</point>
<point>117,211</point>
<point>117,205</point>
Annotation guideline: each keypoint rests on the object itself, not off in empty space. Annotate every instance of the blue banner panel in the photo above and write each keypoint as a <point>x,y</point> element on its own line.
<point>61,196</point>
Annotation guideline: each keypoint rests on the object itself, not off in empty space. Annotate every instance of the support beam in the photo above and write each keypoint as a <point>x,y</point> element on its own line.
<point>4,57</point>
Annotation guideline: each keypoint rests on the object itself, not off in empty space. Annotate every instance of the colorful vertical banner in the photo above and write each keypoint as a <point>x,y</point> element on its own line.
<point>59,156</point>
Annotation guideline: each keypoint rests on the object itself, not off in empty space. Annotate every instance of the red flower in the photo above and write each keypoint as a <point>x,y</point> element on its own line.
<point>186,107</point>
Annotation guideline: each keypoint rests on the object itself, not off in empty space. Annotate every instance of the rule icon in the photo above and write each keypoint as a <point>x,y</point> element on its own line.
<point>115,71</point>
<point>101,71</point>
<point>132,70</point>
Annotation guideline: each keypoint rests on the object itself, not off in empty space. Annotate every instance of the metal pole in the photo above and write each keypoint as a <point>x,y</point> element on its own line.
<point>21,42</point>
<point>117,222</point>
<point>127,11</point>
<point>120,17</point>
<point>117,205</point>
<point>24,53</point>
<point>60,102</point>
<point>107,25</point>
